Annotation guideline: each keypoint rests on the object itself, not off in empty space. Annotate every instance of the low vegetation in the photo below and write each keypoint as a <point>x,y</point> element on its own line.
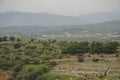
<point>52,60</point>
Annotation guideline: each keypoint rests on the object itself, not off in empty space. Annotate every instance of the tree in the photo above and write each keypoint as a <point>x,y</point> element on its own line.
<point>32,39</point>
<point>4,38</point>
<point>11,38</point>
<point>96,47</point>
<point>75,47</point>
<point>54,41</point>
<point>83,47</point>
<point>110,47</point>
<point>1,39</point>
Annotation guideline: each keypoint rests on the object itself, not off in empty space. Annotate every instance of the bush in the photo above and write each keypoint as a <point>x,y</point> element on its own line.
<point>7,64</point>
<point>31,47</point>
<point>53,63</point>
<point>60,56</point>
<point>95,60</point>
<point>17,45</point>
<point>36,61</point>
<point>102,56</point>
<point>17,58</point>
<point>18,67</point>
<point>27,60</point>
<point>101,76</point>
<point>81,59</point>
<point>10,78</point>
<point>117,55</point>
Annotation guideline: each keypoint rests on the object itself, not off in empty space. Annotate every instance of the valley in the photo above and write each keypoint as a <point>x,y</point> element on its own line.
<point>46,46</point>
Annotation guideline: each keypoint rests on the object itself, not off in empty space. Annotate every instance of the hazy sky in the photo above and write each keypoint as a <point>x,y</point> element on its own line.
<point>64,7</point>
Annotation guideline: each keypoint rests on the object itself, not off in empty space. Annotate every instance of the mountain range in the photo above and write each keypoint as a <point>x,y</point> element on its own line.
<point>47,19</point>
<point>106,27</point>
<point>29,25</point>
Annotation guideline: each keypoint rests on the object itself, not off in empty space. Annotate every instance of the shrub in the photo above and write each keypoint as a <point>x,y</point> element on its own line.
<point>53,63</point>
<point>81,59</point>
<point>18,67</point>
<point>95,60</point>
<point>27,61</point>
<point>117,55</point>
<point>89,56</point>
<point>6,65</point>
<point>17,45</point>
<point>11,78</point>
<point>60,56</point>
<point>102,56</point>
<point>101,76</point>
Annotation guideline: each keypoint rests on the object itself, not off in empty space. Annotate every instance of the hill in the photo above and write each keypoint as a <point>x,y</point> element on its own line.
<point>47,19</point>
<point>20,19</point>
<point>111,26</point>
<point>100,30</point>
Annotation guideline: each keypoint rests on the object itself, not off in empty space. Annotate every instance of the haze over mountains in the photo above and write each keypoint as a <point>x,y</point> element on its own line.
<point>59,26</point>
<point>46,19</point>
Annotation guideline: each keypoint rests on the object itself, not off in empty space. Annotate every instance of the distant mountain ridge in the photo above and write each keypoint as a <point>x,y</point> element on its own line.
<point>101,17</point>
<point>20,19</point>
<point>111,26</point>
<point>46,19</point>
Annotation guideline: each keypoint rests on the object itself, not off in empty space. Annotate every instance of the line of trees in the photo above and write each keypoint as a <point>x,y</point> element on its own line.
<point>91,47</point>
<point>73,47</point>
<point>11,38</point>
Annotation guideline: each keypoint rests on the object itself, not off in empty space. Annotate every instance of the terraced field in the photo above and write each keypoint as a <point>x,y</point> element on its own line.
<point>104,69</point>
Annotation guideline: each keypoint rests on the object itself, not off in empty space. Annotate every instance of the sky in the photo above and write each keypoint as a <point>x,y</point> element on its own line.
<point>62,7</point>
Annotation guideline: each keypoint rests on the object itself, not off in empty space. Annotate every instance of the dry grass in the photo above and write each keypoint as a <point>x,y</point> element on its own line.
<point>88,68</point>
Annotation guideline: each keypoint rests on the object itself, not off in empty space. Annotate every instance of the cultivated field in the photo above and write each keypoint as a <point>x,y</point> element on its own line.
<point>105,68</point>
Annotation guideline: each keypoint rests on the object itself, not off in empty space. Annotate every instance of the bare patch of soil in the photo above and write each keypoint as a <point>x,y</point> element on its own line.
<point>4,75</point>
